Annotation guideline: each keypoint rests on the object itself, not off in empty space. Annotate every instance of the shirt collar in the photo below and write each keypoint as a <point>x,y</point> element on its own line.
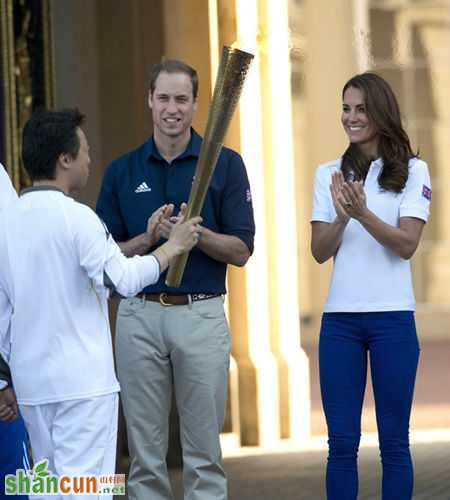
<point>377,163</point>
<point>192,149</point>
<point>41,188</point>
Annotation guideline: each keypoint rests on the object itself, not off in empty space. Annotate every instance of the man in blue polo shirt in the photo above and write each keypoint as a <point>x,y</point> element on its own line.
<point>176,336</point>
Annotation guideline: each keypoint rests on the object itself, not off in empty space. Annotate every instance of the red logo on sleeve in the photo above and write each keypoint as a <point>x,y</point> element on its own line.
<point>426,192</point>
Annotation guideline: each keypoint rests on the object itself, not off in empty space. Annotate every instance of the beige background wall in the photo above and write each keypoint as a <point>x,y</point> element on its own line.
<point>104,50</point>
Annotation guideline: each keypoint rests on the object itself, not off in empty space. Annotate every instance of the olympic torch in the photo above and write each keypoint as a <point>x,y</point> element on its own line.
<point>231,74</point>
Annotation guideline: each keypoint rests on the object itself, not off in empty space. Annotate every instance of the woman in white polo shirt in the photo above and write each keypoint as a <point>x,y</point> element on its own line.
<point>369,210</point>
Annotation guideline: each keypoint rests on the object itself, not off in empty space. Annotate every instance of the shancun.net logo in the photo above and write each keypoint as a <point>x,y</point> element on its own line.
<point>41,481</point>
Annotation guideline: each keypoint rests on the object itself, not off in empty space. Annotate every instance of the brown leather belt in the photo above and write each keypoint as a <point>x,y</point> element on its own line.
<point>176,300</point>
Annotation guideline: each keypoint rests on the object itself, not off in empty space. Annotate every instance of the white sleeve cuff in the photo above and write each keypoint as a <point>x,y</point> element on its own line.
<point>416,212</point>
<point>142,271</point>
<point>320,216</point>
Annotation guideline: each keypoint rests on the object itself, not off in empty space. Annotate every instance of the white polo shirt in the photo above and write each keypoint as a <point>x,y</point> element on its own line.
<point>7,192</point>
<point>54,327</point>
<point>366,276</point>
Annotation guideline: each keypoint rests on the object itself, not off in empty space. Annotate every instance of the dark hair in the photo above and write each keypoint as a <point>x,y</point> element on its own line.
<point>46,136</point>
<point>394,147</point>
<point>174,66</point>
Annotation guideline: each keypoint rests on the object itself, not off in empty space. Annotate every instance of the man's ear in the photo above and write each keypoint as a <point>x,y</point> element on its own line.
<point>195,104</point>
<point>64,160</point>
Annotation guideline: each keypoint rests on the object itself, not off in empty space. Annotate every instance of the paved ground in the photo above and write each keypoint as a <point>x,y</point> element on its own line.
<point>300,476</point>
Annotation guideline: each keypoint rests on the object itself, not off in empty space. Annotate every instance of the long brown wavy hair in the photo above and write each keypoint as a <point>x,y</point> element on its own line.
<point>394,147</point>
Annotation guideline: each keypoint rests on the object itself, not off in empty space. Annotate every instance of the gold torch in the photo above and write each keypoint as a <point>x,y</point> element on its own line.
<point>233,69</point>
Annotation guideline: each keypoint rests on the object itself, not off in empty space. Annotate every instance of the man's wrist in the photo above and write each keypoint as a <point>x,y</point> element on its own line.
<point>165,253</point>
<point>147,241</point>
<point>203,237</point>
<point>171,249</point>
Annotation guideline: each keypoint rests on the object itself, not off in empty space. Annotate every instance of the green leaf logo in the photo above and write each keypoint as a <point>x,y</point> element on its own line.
<point>40,469</point>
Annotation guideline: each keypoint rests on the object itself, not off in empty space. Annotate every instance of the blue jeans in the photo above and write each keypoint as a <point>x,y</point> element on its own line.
<point>345,340</point>
<point>13,452</point>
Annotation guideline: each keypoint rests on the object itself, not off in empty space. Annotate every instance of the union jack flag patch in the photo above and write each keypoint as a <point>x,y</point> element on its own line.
<point>426,192</point>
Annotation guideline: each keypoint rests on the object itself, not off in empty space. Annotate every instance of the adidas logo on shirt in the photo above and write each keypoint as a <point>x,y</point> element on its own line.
<point>142,188</point>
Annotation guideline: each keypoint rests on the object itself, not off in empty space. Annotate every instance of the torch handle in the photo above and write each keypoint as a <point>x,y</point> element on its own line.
<point>176,270</point>
<point>209,154</point>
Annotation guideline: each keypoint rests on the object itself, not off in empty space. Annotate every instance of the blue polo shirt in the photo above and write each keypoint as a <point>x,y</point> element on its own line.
<point>139,182</point>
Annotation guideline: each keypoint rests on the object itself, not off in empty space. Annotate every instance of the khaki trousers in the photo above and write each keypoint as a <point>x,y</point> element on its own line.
<point>187,348</point>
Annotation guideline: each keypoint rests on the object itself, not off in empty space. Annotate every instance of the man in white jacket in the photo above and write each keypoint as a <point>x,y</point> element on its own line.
<point>7,192</point>
<point>59,265</point>
<point>13,436</point>
<point>7,412</point>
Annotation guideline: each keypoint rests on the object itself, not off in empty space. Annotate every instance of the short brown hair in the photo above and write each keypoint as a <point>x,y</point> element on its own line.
<point>174,66</point>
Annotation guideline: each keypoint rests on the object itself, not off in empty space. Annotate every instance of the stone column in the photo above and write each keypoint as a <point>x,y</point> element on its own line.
<point>249,300</point>
<point>281,220</point>
<point>436,40</point>
<point>274,388</point>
